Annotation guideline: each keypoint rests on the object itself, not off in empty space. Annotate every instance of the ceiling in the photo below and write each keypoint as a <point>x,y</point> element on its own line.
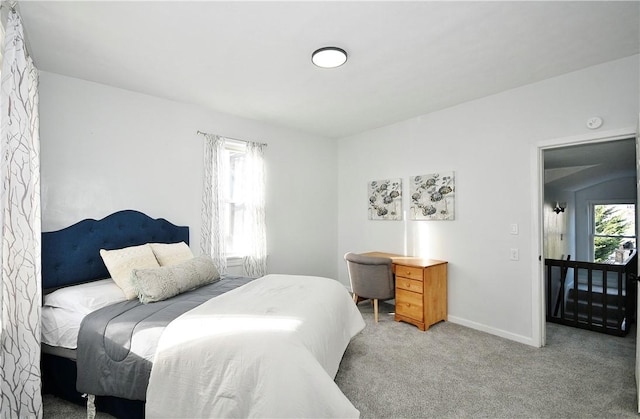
<point>253,59</point>
<point>577,167</point>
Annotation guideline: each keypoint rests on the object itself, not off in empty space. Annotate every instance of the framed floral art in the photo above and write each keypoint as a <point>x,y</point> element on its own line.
<point>385,199</point>
<point>433,196</point>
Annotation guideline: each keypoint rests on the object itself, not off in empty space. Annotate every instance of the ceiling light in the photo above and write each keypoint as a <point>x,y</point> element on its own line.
<point>329,57</point>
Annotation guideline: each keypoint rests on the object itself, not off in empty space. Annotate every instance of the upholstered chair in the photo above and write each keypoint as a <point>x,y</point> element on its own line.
<point>371,278</point>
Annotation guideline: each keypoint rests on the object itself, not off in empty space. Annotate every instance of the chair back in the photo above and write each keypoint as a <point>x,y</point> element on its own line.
<point>370,276</point>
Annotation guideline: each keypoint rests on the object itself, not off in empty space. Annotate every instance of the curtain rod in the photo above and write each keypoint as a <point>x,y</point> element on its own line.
<point>11,4</point>
<point>230,138</point>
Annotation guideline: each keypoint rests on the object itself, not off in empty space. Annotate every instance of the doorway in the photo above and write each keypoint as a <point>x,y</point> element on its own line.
<point>573,173</point>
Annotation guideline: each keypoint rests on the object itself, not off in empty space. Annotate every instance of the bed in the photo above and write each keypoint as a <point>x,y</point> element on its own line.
<point>189,343</point>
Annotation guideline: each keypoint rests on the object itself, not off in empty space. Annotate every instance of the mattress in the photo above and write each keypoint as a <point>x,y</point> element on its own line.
<point>64,309</point>
<point>60,327</point>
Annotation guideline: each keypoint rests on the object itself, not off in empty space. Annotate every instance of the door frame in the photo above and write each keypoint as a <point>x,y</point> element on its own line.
<point>539,320</point>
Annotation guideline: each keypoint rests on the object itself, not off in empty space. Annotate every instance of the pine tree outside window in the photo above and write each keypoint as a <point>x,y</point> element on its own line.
<point>614,231</point>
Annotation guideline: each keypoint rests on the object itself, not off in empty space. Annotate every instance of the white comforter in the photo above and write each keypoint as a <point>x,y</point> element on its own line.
<point>268,349</point>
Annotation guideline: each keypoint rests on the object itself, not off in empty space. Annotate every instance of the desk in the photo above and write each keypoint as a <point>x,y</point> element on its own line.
<point>421,289</point>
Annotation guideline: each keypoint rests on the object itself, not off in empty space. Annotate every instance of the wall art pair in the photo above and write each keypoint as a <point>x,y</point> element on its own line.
<point>432,197</point>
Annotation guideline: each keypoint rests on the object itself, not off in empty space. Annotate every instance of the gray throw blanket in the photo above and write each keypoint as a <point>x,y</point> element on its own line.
<point>117,343</point>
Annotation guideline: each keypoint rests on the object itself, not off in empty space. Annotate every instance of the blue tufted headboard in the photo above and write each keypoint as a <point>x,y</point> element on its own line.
<point>72,255</point>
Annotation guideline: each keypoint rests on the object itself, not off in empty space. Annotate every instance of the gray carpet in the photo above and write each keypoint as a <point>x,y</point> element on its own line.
<point>393,370</point>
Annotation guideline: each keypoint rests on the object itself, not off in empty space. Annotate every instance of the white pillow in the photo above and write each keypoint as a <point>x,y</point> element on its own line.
<point>169,254</point>
<point>121,262</point>
<point>85,298</point>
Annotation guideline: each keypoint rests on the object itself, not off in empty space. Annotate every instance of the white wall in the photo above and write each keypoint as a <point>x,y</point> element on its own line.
<point>489,144</point>
<point>105,149</point>
<point>559,228</point>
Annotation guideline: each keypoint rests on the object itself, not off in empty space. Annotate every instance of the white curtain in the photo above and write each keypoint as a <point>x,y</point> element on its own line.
<point>255,236</point>
<point>250,180</point>
<point>20,228</point>
<point>216,172</point>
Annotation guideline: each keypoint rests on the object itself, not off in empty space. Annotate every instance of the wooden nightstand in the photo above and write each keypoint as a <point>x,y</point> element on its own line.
<point>421,289</point>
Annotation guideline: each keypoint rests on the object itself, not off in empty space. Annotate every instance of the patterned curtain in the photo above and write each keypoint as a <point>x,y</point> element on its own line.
<point>249,189</point>
<point>255,262</point>
<point>20,223</point>
<point>216,171</point>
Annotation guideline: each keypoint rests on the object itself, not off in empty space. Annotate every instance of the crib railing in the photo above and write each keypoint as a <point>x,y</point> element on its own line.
<point>594,296</point>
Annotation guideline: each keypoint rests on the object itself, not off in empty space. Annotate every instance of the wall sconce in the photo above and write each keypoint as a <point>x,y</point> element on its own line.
<point>560,207</point>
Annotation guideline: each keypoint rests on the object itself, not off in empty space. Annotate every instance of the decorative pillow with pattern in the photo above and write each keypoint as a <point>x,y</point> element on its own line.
<point>158,284</point>
<point>121,262</point>
<point>171,253</point>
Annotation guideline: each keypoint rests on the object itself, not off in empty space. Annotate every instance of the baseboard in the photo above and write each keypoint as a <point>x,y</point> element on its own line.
<point>527,340</point>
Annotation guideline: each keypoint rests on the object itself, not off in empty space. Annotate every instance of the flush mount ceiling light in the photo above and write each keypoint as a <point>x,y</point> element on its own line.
<point>329,57</point>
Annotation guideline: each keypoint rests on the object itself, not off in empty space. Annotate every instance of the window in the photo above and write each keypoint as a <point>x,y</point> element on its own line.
<point>614,231</point>
<point>234,199</point>
<point>233,204</point>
